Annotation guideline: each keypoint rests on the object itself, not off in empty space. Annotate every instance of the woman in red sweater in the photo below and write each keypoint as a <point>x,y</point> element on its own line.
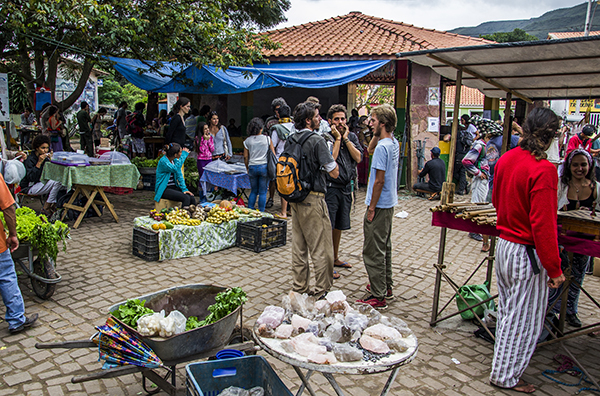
<point>527,261</point>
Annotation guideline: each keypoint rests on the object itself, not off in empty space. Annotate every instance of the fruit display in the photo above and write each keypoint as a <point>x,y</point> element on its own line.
<point>218,215</point>
<point>181,217</point>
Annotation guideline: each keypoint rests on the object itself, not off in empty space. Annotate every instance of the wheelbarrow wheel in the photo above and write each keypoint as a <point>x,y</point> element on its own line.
<point>45,269</point>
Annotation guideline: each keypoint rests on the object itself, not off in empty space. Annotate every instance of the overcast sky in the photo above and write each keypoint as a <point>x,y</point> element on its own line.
<point>435,14</point>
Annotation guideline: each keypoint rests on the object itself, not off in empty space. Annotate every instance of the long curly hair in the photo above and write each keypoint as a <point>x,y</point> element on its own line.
<point>538,131</point>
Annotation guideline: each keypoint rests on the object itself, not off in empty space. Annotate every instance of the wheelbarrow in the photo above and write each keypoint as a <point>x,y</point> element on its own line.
<point>40,269</point>
<point>203,342</point>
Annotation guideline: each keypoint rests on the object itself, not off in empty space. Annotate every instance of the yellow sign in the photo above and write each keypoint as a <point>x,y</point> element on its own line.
<point>593,104</point>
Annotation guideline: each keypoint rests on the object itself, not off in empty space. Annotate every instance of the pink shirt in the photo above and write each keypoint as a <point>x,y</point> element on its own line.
<point>205,148</point>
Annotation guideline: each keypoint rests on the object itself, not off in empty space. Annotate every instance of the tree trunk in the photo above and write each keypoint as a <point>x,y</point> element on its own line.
<point>83,79</point>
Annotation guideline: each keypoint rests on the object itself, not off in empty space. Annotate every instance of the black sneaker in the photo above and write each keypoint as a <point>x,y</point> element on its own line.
<point>29,321</point>
<point>269,203</point>
<point>573,320</point>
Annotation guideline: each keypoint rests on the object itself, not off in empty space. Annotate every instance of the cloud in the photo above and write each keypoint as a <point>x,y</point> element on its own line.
<point>433,14</point>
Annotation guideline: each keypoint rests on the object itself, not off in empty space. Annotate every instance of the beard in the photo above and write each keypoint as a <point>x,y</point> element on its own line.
<point>314,124</point>
<point>377,131</point>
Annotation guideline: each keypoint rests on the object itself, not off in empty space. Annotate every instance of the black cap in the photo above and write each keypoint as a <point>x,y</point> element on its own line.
<point>588,130</point>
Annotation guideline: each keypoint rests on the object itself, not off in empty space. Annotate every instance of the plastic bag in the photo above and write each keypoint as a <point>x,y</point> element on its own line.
<point>149,325</point>
<point>172,324</point>
<point>474,294</point>
<point>235,391</point>
<point>14,171</point>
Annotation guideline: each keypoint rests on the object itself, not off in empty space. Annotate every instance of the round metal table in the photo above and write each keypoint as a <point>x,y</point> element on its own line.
<point>392,362</point>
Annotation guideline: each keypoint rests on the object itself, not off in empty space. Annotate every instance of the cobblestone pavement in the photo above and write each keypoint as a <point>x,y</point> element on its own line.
<point>98,270</point>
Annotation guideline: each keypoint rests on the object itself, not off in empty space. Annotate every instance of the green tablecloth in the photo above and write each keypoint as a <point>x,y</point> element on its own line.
<point>126,176</point>
<point>185,241</point>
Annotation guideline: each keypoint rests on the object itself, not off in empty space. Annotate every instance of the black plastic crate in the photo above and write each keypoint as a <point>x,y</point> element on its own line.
<point>253,236</point>
<point>145,244</point>
<point>212,377</point>
<point>149,181</point>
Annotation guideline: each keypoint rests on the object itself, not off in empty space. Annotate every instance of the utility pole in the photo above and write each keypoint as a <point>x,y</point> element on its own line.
<point>586,31</point>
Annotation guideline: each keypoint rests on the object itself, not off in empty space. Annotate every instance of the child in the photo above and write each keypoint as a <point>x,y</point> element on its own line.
<point>204,146</point>
<point>477,166</point>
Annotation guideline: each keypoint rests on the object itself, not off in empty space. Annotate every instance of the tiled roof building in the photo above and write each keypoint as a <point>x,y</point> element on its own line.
<point>359,36</point>
<point>564,35</point>
<point>468,96</point>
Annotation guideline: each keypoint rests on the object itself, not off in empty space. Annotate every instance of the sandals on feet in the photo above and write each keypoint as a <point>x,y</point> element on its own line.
<point>342,264</point>
<point>336,275</point>
<point>521,386</point>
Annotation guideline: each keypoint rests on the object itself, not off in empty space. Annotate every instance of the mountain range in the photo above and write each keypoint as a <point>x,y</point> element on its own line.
<point>559,20</point>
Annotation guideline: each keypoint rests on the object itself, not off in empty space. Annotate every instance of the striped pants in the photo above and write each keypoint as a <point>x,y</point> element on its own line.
<point>521,310</point>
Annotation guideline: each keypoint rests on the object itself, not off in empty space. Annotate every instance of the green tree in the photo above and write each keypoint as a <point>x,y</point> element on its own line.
<point>369,94</point>
<point>509,37</point>
<point>36,34</point>
<point>110,92</point>
<point>133,94</point>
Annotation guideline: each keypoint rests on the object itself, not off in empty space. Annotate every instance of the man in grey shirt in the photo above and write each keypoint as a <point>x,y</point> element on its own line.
<point>121,123</point>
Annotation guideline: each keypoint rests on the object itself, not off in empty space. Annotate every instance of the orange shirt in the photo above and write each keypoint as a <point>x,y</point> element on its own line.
<point>6,200</point>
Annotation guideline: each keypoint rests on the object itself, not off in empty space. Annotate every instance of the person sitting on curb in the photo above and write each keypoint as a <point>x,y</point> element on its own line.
<point>436,169</point>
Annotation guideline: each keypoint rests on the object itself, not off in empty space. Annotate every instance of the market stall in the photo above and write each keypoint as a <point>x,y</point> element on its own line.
<point>332,337</point>
<point>90,181</point>
<point>461,217</point>
<point>152,242</point>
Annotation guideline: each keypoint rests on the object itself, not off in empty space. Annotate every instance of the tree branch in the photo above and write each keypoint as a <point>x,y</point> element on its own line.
<point>83,79</point>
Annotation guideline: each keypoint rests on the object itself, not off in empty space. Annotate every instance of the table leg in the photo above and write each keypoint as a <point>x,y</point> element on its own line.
<point>438,278</point>
<point>108,204</point>
<point>301,389</point>
<point>390,381</point>
<point>84,210</point>
<point>304,382</point>
<point>91,197</point>
<point>334,384</point>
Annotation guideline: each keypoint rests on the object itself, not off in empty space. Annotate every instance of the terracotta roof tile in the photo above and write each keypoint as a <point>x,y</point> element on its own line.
<point>359,35</point>
<point>468,96</point>
<point>564,35</point>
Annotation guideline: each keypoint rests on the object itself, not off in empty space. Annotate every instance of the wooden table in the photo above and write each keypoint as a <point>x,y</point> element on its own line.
<point>90,192</point>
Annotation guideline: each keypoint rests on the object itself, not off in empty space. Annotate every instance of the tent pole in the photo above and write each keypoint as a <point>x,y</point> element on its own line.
<point>507,123</point>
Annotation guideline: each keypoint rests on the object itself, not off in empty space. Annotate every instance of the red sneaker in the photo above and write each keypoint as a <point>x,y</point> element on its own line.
<point>389,295</point>
<point>374,302</point>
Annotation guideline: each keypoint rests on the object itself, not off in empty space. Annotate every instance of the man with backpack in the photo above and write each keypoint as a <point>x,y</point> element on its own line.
<point>301,181</point>
<point>347,152</point>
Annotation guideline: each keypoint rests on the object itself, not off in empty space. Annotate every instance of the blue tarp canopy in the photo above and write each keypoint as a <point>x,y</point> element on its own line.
<point>175,77</point>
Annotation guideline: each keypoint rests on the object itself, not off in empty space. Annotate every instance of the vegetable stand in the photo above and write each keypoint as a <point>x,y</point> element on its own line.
<point>41,270</point>
<point>190,345</point>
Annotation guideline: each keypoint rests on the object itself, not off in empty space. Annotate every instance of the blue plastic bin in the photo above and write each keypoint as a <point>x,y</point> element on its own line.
<point>211,377</point>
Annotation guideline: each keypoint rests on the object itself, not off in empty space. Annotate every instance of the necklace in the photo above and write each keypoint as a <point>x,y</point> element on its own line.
<point>578,204</point>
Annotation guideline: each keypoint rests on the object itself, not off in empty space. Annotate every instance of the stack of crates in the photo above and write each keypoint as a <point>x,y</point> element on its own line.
<point>145,244</point>
<point>212,377</point>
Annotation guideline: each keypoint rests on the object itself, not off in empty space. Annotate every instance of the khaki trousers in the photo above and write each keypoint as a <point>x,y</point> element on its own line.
<point>311,234</point>
<point>377,251</point>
